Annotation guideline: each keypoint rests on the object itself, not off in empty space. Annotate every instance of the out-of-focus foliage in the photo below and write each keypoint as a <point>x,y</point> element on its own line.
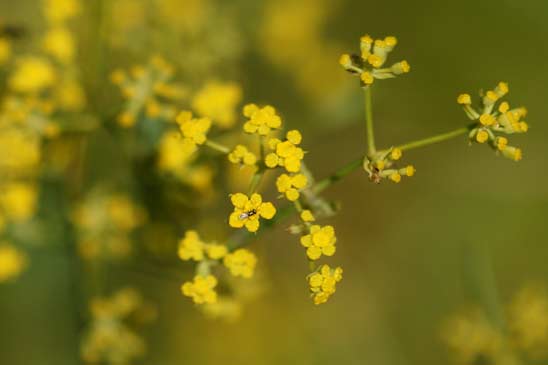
<point>102,190</point>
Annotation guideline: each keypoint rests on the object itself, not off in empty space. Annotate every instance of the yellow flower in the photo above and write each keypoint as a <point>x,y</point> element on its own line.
<point>464,99</point>
<point>286,153</point>
<point>18,200</point>
<point>491,120</point>
<point>58,11</point>
<point>320,241</point>
<point>528,318</point>
<point>247,211</point>
<point>32,74</point>
<point>369,64</point>
<point>191,247</point>
<point>201,290</point>
<point>482,136</point>
<point>290,185</point>
<point>193,129</point>
<point>241,263</point>
<point>218,102</point>
<point>241,155</point>
<point>215,251</point>
<point>307,216</point>
<point>59,43</point>
<point>12,262</point>
<point>323,283</point>
<point>174,152</point>
<point>395,154</point>
<point>261,120</point>
<point>395,177</point>
<point>512,153</point>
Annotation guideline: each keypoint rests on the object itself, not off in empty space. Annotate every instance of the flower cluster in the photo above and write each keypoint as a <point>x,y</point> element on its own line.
<point>194,130</point>
<point>218,101</point>
<point>261,120</point>
<point>201,289</point>
<point>286,153</point>
<point>289,185</point>
<point>191,247</point>
<point>323,283</point>
<point>110,337</point>
<point>320,241</point>
<point>473,336</point>
<point>242,156</point>
<point>240,262</point>
<point>248,210</point>
<point>148,89</point>
<point>369,64</point>
<point>382,166</point>
<point>490,120</point>
<point>104,223</point>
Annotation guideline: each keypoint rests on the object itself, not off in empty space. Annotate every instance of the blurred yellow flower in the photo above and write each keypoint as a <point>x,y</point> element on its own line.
<point>218,101</point>
<point>528,319</point>
<point>193,129</point>
<point>32,74</point>
<point>12,262</point>
<point>5,50</point>
<point>241,155</point>
<point>241,263</point>
<point>59,43</point>
<point>18,200</point>
<point>58,11</point>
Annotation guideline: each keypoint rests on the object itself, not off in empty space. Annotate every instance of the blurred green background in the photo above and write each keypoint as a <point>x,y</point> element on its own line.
<point>404,248</point>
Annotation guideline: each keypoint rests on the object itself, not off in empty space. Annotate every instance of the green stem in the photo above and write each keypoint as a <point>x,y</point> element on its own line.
<point>217,147</point>
<point>370,136</point>
<point>337,175</point>
<point>435,139</point>
<point>255,181</point>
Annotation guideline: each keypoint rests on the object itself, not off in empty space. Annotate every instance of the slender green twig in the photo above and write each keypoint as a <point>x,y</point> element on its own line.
<point>217,147</point>
<point>370,136</point>
<point>435,139</point>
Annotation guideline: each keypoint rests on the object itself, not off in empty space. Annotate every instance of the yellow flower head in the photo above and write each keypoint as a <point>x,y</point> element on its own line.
<point>32,74</point>
<point>528,318</point>
<point>290,185</point>
<point>261,120</point>
<point>201,290</point>
<point>307,216</point>
<point>12,262</point>
<point>58,11</point>
<point>373,55</point>
<point>247,211</point>
<point>492,120</point>
<point>320,241</point>
<point>241,155</point>
<point>191,247</point>
<point>323,283</point>
<point>18,200</point>
<point>193,129</point>
<point>59,43</point>
<point>241,263</point>
<point>286,153</point>
<point>218,102</point>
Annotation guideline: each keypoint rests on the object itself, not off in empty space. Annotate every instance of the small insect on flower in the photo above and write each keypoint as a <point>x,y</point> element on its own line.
<point>248,214</point>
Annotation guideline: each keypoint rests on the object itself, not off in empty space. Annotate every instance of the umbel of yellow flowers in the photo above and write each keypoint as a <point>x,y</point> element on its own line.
<point>369,64</point>
<point>491,120</point>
